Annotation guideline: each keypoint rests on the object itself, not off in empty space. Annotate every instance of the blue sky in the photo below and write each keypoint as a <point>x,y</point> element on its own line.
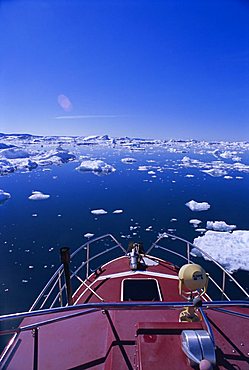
<point>162,69</point>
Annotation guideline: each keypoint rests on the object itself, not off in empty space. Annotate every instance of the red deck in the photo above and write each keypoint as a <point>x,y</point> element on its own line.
<point>140,339</point>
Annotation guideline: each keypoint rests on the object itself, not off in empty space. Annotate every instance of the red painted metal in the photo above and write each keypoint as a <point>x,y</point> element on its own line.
<point>140,339</point>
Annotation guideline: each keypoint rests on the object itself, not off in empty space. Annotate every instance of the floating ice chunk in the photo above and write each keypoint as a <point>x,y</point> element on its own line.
<point>195,206</point>
<point>117,211</point>
<point>149,228</point>
<point>200,230</point>
<point>186,159</point>
<point>14,153</point>
<point>232,155</point>
<point>228,177</point>
<point>95,165</point>
<point>4,196</point>
<point>6,167</point>
<point>88,235</point>
<point>143,168</point>
<point>229,249</point>
<point>34,215</point>
<point>98,211</point>
<point>239,177</point>
<point>196,253</point>
<point>173,220</point>
<point>189,175</point>
<point>38,195</point>
<point>24,164</point>
<point>128,160</point>
<point>220,226</point>
<point>151,173</point>
<point>215,172</point>
<point>195,222</point>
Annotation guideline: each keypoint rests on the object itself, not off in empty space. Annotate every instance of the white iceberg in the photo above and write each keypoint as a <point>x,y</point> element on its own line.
<point>229,249</point>
<point>128,160</point>
<point>117,211</point>
<point>149,228</point>
<point>4,196</point>
<point>98,212</point>
<point>195,222</point>
<point>14,153</point>
<point>200,230</point>
<point>215,172</point>
<point>143,168</point>
<point>94,165</point>
<point>195,206</point>
<point>38,195</point>
<point>88,235</point>
<point>220,226</point>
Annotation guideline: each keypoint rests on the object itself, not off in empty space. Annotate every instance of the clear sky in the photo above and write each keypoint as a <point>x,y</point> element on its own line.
<point>145,68</point>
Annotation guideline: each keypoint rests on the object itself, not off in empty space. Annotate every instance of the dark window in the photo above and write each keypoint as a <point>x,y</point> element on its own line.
<point>140,290</point>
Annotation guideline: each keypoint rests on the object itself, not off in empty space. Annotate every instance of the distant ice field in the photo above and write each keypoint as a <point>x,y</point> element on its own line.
<point>149,201</point>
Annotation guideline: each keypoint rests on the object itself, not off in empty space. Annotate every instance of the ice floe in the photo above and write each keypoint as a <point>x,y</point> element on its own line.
<point>229,249</point>
<point>38,195</point>
<point>4,196</point>
<point>195,222</point>
<point>88,235</point>
<point>143,168</point>
<point>118,211</point>
<point>98,211</point>
<point>96,166</point>
<point>195,206</point>
<point>149,228</point>
<point>215,172</point>
<point>14,153</point>
<point>220,226</point>
<point>17,149</point>
<point>128,160</point>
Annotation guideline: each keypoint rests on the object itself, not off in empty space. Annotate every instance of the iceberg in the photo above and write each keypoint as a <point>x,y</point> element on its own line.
<point>143,168</point>
<point>14,153</point>
<point>98,212</point>
<point>117,211</point>
<point>215,172</point>
<point>219,226</point>
<point>195,206</point>
<point>6,167</point>
<point>195,222</point>
<point>94,165</point>
<point>4,196</point>
<point>88,235</point>
<point>229,249</point>
<point>38,195</point>
<point>128,160</point>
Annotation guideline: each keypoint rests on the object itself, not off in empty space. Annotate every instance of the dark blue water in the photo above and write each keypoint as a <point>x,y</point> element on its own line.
<point>30,245</point>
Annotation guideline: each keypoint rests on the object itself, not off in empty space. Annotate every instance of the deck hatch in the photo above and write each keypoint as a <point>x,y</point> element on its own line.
<point>140,290</point>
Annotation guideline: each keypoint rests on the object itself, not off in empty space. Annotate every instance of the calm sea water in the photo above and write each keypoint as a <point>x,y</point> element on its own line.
<point>30,244</point>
